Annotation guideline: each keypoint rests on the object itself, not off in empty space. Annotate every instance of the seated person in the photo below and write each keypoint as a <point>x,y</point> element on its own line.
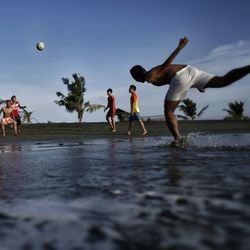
<point>8,117</point>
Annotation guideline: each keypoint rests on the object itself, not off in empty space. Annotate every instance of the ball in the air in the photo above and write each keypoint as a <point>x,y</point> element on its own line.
<point>40,46</point>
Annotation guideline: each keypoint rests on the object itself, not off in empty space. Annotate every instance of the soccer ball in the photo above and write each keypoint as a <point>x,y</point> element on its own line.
<point>40,46</point>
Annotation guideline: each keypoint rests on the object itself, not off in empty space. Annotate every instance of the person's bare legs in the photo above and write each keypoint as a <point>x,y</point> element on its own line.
<point>171,120</point>
<point>3,130</point>
<point>143,127</point>
<point>109,122</point>
<point>113,124</point>
<point>229,78</point>
<point>131,124</point>
<point>18,129</point>
<point>15,129</point>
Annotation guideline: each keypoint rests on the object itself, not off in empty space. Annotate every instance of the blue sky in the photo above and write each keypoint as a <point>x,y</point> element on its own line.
<point>103,39</point>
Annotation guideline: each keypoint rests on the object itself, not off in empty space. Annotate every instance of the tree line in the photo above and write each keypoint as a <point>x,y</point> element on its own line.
<point>235,110</point>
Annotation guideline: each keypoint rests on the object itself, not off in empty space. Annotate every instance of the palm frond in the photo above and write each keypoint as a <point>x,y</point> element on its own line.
<point>93,107</point>
<point>236,110</point>
<point>188,108</point>
<point>182,117</point>
<point>59,94</point>
<point>65,81</point>
<point>202,110</point>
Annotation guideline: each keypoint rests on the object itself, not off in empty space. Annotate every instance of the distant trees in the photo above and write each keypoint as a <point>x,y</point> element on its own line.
<point>74,100</point>
<point>188,107</point>
<point>235,111</point>
<point>27,116</point>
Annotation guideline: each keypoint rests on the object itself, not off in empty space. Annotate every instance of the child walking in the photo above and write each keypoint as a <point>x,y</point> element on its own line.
<point>135,115</point>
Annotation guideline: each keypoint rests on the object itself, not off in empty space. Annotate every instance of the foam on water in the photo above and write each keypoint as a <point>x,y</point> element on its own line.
<point>202,140</point>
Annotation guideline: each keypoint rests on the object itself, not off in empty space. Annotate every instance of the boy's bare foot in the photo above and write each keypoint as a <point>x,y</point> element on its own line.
<point>129,133</point>
<point>113,131</point>
<point>145,132</point>
<point>182,143</point>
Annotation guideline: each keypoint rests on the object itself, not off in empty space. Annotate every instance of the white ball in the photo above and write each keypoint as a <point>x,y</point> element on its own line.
<point>40,46</point>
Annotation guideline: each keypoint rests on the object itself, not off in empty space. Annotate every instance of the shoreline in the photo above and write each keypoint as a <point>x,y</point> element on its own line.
<point>100,130</point>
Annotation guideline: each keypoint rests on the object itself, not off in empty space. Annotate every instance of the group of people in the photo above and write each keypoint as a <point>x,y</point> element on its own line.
<point>11,116</point>
<point>134,110</point>
<point>181,78</point>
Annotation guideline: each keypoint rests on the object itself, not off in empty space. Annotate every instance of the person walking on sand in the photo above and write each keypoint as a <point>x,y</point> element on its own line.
<point>181,78</point>
<point>7,117</point>
<point>15,106</point>
<point>110,117</point>
<point>134,107</point>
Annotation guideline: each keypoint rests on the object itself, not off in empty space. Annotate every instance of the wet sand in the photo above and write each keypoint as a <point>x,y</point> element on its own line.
<point>69,131</point>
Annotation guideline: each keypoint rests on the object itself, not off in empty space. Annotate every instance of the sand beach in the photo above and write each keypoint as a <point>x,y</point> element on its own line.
<point>98,130</point>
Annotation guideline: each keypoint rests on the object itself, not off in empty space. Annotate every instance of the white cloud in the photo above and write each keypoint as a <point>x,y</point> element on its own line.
<point>224,58</point>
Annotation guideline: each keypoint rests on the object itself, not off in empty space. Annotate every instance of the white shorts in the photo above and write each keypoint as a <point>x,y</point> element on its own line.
<point>186,78</point>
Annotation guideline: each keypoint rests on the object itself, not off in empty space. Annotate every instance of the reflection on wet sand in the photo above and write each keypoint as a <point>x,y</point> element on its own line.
<point>174,161</point>
<point>6,148</point>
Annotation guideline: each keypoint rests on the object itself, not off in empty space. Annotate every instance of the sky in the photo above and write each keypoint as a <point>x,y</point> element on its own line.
<point>102,39</point>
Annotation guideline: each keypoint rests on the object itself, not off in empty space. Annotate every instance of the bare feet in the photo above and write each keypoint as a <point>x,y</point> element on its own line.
<point>145,132</point>
<point>113,131</point>
<point>182,143</point>
<point>129,133</point>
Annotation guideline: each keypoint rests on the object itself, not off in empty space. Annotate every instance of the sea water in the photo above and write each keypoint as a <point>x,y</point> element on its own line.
<point>134,193</point>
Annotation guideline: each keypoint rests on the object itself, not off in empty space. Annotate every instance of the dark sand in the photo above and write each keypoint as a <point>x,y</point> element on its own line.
<point>69,131</point>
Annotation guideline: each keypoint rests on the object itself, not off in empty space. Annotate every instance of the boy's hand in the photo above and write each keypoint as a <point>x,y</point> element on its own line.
<point>183,42</point>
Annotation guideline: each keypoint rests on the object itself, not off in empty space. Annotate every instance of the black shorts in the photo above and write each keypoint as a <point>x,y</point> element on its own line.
<point>18,120</point>
<point>135,117</point>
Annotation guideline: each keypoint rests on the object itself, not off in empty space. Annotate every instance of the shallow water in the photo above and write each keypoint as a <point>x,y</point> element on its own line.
<point>126,194</point>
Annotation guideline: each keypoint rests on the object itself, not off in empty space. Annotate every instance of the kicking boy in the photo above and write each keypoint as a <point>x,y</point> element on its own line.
<point>15,106</point>
<point>135,115</point>
<point>181,78</point>
<point>110,117</point>
<point>7,117</point>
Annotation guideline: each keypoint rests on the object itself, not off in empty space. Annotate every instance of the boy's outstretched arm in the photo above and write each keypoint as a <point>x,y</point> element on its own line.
<point>182,43</point>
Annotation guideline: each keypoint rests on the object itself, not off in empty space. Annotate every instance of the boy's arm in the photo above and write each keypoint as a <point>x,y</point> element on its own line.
<point>106,107</point>
<point>132,106</point>
<point>157,71</point>
<point>182,43</point>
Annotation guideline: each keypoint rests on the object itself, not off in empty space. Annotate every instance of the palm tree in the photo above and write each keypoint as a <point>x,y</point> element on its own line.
<point>74,101</point>
<point>189,109</point>
<point>27,116</point>
<point>235,111</point>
